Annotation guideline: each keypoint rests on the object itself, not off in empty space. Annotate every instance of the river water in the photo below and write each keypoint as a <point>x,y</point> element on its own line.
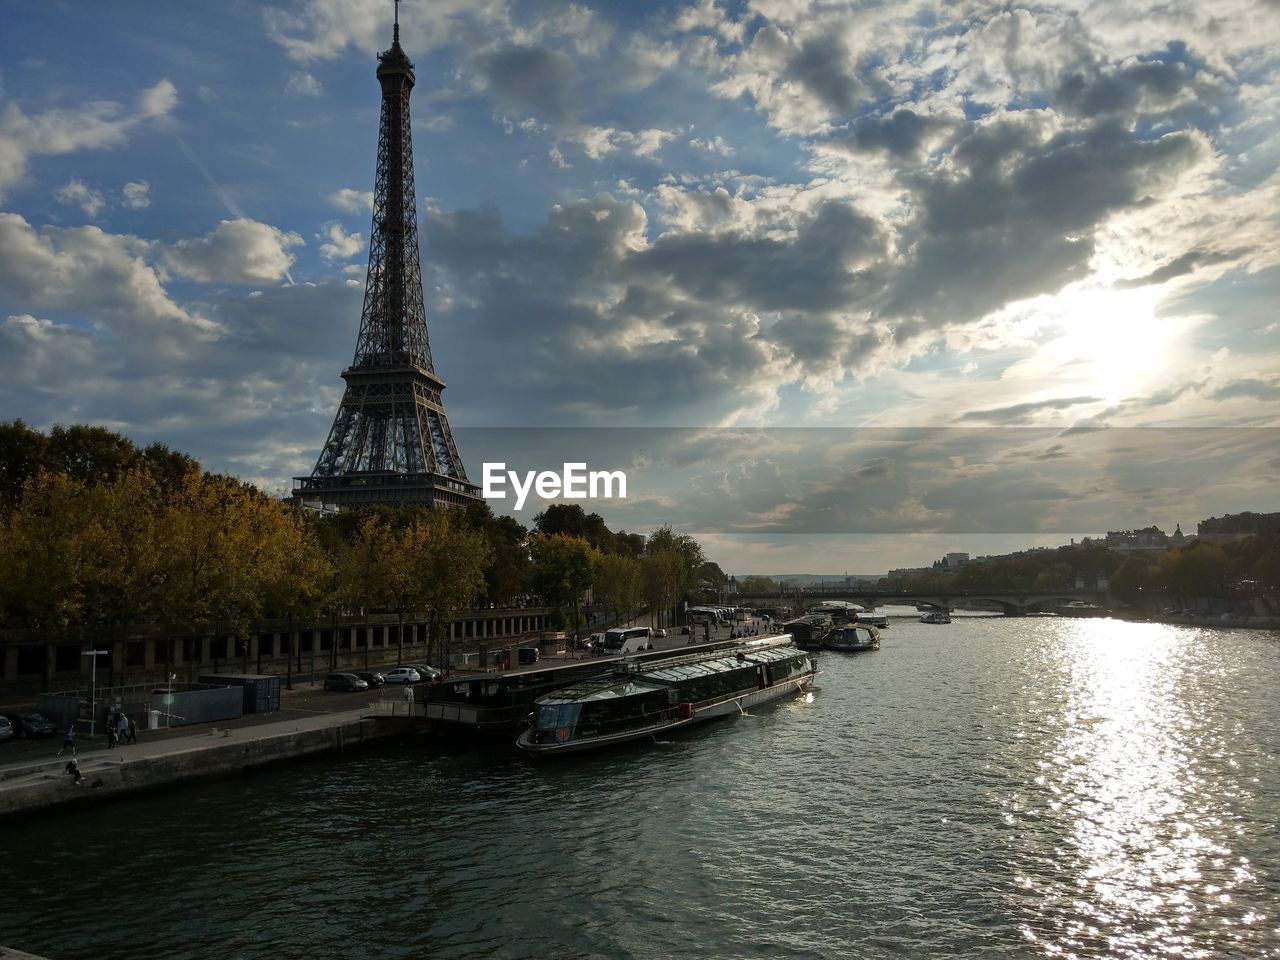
<point>996,787</point>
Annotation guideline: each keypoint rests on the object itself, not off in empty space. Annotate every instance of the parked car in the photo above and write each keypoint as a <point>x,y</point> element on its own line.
<point>425,673</point>
<point>528,655</point>
<point>348,682</point>
<point>373,679</point>
<point>27,725</point>
<point>6,729</point>
<point>403,675</point>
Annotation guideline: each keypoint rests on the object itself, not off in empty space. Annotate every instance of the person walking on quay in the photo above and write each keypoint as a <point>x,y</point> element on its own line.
<point>408,695</point>
<point>69,740</point>
<point>73,768</point>
<point>113,738</point>
<point>122,726</point>
<point>131,734</point>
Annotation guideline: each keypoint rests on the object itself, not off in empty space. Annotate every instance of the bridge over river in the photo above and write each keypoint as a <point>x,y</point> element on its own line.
<point>1014,603</point>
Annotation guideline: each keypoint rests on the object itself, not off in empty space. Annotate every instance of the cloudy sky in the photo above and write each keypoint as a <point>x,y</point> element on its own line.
<point>908,276</point>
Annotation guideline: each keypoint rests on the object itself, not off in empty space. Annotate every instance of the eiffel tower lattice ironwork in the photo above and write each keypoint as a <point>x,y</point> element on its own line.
<point>390,442</point>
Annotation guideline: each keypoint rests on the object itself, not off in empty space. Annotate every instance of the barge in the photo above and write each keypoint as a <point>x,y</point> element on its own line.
<point>660,696</point>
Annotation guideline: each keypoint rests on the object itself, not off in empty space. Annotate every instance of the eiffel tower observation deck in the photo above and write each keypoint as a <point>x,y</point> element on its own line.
<point>390,442</point>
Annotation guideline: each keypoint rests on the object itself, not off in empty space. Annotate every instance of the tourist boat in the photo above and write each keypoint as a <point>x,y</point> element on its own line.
<point>854,638</point>
<point>809,631</point>
<point>660,696</point>
<point>935,616</point>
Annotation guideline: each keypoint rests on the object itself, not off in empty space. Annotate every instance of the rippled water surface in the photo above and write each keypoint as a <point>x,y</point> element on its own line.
<point>995,787</point>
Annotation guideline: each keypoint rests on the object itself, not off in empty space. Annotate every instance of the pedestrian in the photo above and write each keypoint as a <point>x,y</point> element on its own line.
<point>133,731</point>
<point>122,726</point>
<point>113,738</point>
<point>69,740</point>
<point>408,694</point>
<point>73,768</point>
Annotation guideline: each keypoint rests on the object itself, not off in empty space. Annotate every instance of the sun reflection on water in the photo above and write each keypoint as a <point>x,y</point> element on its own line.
<point>1139,856</point>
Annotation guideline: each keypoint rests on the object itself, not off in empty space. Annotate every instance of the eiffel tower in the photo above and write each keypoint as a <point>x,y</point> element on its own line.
<point>390,442</point>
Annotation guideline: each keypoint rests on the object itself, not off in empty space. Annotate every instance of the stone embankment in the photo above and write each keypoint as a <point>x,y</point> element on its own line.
<point>31,785</point>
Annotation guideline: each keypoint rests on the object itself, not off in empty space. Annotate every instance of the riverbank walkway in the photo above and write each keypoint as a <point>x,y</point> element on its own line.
<point>311,720</point>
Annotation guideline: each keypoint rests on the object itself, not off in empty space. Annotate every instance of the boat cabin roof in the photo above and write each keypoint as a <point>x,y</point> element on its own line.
<point>660,676</point>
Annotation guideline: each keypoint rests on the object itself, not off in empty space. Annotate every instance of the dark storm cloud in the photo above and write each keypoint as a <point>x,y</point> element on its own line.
<point>1022,412</point>
<point>1123,90</point>
<point>815,271</point>
<point>823,67</point>
<point>1017,216</point>
<point>1250,387</point>
<point>530,80</point>
<point>902,134</point>
<point>1179,266</point>
<point>570,303</point>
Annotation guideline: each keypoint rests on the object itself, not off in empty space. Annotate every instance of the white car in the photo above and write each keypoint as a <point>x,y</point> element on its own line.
<point>660,632</point>
<point>403,675</point>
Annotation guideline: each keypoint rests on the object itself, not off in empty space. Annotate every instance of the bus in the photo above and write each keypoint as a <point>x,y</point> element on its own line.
<point>622,640</point>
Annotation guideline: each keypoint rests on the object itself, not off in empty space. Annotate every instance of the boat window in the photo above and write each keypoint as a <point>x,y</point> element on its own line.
<point>554,715</point>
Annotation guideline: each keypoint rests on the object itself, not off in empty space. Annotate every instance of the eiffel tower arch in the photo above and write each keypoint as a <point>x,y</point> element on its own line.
<point>390,442</point>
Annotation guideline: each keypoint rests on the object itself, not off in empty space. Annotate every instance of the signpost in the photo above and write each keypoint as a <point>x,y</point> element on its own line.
<point>93,685</point>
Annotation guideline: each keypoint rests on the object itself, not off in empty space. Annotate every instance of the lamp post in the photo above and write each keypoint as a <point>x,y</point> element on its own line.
<point>93,685</point>
<point>168,701</point>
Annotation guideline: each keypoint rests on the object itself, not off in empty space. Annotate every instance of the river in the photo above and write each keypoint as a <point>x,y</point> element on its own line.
<point>996,787</point>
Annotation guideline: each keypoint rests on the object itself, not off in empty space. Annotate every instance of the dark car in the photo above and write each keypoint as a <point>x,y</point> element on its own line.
<point>528,655</point>
<point>27,725</point>
<point>372,679</point>
<point>6,729</point>
<point>345,681</point>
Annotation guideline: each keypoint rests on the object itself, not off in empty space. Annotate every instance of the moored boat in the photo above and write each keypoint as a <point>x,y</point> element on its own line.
<point>936,616</point>
<point>657,697</point>
<point>854,638</point>
<point>809,631</point>
<point>880,623</point>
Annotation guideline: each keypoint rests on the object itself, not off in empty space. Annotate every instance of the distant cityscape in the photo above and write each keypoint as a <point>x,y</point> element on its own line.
<point>1224,529</point>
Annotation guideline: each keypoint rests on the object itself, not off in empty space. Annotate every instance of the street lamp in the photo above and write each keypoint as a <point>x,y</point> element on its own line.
<point>93,685</point>
<point>168,700</point>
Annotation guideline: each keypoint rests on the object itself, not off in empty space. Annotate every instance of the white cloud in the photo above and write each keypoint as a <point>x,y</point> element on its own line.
<point>337,244</point>
<point>93,126</point>
<point>77,193</point>
<point>352,201</point>
<point>716,144</point>
<point>303,85</point>
<point>102,277</point>
<point>324,29</point>
<point>158,101</point>
<point>599,142</point>
<point>137,194</point>
<point>238,251</point>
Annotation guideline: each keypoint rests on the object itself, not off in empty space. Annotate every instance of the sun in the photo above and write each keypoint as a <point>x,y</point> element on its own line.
<point>1113,344</point>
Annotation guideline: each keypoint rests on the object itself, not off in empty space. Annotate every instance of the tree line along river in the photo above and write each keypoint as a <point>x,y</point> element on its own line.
<point>996,787</point>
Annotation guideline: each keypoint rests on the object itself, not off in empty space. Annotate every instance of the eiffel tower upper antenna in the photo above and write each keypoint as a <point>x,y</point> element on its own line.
<point>395,34</point>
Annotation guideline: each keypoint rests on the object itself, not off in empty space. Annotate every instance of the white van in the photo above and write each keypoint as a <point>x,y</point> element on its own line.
<point>622,640</point>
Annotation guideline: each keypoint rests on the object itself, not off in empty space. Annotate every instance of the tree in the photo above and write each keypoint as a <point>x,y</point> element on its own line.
<point>43,549</point>
<point>617,583</point>
<point>755,584</point>
<point>672,563</point>
<point>214,532</point>
<point>125,562</point>
<point>361,567</point>
<point>507,574</point>
<point>297,574</point>
<point>446,560</point>
<point>1130,579</point>
<point>563,570</point>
